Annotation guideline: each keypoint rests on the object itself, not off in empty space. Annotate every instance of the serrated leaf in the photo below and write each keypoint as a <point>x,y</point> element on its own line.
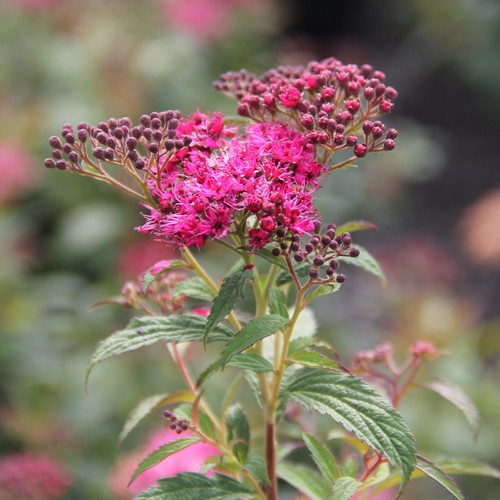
<point>367,262</point>
<point>322,458</point>
<point>256,466</point>
<point>313,359</point>
<point>231,291</point>
<point>431,470</point>
<point>304,479</point>
<point>238,432</point>
<point>299,344</point>
<point>147,330</point>
<point>266,254</point>
<point>343,489</point>
<point>257,329</point>
<point>322,290</point>
<point>468,467</point>
<point>301,270</point>
<point>195,288</point>
<point>161,454</point>
<point>358,408</point>
<point>355,225</point>
<point>158,269</point>
<point>147,405</point>
<point>192,486</point>
<point>253,383</point>
<point>457,397</point>
<point>250,361</point>
<point>277,303</point>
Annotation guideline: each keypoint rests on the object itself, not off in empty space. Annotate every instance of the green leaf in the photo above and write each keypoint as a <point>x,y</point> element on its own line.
<point>468,467</point>
<point>343,489</point>
<point>304,479</point>
<point>301,270</point>
<point>194,288</point>
<point>299,344</point>
<point>322,290</point>
<point>251,361</point>
<point>147,330</point>
<point>161,454</point>
<point>367,262</point>
<point>238,432</point>
<point>355,225</point>
<point>358,408</point>
<point>431,470</point>
<point>256,466</point>
<point>158,269</point>
<point>277,303</point>
<point>253,382</point>
<point>231,291</point>
<point>312,359</point>
<point>457,397</point>
<point>145,407</point>
<point>322,458</point>
<point>279,261</point>
<point>192,486</point>
<point>255,330</point>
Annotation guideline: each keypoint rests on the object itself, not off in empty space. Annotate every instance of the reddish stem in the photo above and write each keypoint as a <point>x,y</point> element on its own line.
<point>272,489</point>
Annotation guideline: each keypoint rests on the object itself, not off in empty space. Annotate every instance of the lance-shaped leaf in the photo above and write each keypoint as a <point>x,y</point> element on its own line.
<point>231,291</point>
<point>305,479</point>
<point>192,486</point>
<point>250,361</point>
<point>322,458</point>
<point>257,329</point>
<point>266,254</point>
<point>158,269</point>
<point>355,225</point>
<point>367,262</point>
<point>431,470</point>
<point>194,288</point>
<point>277,303</point>
<point>161,454</point>
<point>256,466</point>
<point>358,408</point>
<point>313,359</point>
<point>147,330</point>
<point>147,405</point>
<point>343,489</point>
<point>456,396</point>
<point>238,432</point>
<point>322,290</point>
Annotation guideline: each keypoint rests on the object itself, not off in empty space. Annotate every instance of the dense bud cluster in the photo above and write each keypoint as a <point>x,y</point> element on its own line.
<point>116,141</point>
<point>330,101</point>
<point>176,424</point>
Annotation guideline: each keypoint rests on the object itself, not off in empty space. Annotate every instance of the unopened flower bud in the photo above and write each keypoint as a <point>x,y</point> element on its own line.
<point>55,142</point>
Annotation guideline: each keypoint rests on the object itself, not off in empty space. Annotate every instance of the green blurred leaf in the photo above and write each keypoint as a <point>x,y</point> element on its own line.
<point>147,405</point>
<point>299,344</point>
<point>144,331</point>
<point>468,467</point>
<point>312,359</point>
<point>231,291</point>
<point>356,406</point>
<point>431,470</point>
<point>322,290</point>
<point>343,489</point>
<point>256,466</point>
<point>279,261</point>
<point>161,454</point>
<point>149,277</point>
<point>192,486</point>
<point>457,397</point>
<point>194,288</point>
<point>355,225</point>
<point>277,303</point>
<point>251,361</point>
<point>367,262</point>
<point>304,479</point>
<point>322,458</point>
<point>301,269</point>
<point>238,432</point>
<point>255,330</point>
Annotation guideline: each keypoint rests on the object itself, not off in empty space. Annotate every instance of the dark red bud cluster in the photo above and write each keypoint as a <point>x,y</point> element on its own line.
<point>176,424</point>
<point>117,141</point>
<point>327,99</point>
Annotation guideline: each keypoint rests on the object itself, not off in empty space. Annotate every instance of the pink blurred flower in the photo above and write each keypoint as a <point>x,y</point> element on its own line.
<point>25,476</point>
<point>188,460</point>
<point>16,170</point>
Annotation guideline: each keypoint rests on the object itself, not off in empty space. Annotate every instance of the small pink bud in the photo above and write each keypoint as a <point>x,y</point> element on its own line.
<point>289,96</point>
<point>360,150</point>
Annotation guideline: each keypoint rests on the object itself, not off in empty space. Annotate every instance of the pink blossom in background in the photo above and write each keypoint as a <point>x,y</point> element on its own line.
<point>206,19</point>
<point>26,476</point>
<point>17,170</point>
<point>188,460</point>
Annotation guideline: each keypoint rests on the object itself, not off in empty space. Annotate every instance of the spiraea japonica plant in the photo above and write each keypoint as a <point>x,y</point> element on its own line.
<point>249,184</point>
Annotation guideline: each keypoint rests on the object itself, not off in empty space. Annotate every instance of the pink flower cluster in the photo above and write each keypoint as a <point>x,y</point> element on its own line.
<point>263,178</point>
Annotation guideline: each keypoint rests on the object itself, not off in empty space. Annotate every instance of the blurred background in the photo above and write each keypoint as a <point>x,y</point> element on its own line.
<point>67,242</point>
